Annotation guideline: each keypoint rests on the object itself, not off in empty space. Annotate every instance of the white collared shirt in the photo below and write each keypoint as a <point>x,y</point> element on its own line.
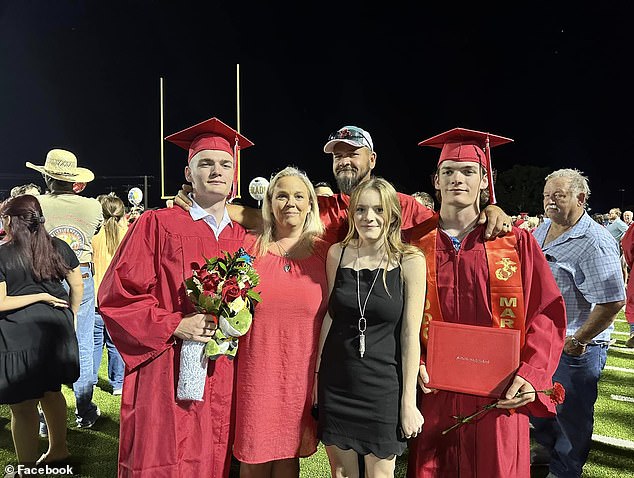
<point>197,213</point>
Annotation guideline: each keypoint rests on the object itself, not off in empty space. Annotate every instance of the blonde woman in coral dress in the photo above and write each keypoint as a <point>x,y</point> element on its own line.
<point>276,359</point>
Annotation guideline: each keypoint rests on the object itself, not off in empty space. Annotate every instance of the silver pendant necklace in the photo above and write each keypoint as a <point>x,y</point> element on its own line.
<point>287,266</point>
<point>362,325</point>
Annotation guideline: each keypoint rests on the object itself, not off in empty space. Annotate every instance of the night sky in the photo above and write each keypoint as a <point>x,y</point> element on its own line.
<point>84,76</point>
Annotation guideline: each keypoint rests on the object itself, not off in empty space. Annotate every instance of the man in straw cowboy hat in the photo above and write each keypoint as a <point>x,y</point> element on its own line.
<point>74,219</point>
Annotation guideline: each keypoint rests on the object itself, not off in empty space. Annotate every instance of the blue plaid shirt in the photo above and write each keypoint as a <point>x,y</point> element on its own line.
<point>586,265</point>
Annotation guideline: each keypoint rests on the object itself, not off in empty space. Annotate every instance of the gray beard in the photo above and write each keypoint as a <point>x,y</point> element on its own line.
<point>347,183</point>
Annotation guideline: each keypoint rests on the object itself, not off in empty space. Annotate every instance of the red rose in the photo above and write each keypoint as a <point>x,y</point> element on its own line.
<point>211,281</point>
<point>230,290</point>
<point>202,274</point>
<point>209,286</point>
<point>215,279</point>
<point>557,393</point>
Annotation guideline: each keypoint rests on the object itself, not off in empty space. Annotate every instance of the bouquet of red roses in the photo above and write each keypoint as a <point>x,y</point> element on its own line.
<point>223,287</point>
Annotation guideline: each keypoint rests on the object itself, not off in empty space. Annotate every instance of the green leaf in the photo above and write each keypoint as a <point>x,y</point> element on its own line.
<point>254,278</point>
<point>254,296</point>
<point>207,303</point>
<point>190,284</point>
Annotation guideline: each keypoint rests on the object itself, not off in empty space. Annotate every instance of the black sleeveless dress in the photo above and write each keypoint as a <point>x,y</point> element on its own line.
<point>38,346</point>
<point>359,398</point>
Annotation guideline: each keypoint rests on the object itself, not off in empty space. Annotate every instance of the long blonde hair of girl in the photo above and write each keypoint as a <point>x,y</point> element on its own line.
<point>113,210</point>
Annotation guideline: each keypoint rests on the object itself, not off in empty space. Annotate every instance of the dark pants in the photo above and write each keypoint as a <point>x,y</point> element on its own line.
<point>568,437</point>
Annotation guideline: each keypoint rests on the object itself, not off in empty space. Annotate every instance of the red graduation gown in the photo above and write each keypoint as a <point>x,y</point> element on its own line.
<point>333,211</point>
<point>142,300</point>
<point>627,243</point>
<point>497,444</point>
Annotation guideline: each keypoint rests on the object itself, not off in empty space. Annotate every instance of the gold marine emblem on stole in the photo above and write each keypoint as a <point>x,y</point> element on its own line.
<point>507,270</point>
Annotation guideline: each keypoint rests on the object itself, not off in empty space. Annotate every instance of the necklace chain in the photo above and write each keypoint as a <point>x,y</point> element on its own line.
<point>285,255</point>
<point>281,248</point>
<point>362,324</point>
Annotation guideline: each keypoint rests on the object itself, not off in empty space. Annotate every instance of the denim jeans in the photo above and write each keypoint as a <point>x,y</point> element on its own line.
<point>86,410</point>
<point>115,362</point>
<point>568,437</point>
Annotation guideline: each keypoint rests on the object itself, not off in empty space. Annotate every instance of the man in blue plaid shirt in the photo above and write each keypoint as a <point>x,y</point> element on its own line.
<point>584,259</point>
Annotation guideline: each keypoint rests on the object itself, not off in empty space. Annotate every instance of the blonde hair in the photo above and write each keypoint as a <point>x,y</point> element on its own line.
<point>30,188</point>
<point>113,210</point>
<point>392,240</point>
<point>313,227</point>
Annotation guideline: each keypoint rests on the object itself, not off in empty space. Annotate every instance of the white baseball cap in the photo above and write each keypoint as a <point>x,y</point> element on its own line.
<point>352,135</point>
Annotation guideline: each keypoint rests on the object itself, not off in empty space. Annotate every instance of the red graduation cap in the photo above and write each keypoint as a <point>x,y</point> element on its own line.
<point>462,145</point>
<point>215,135</point>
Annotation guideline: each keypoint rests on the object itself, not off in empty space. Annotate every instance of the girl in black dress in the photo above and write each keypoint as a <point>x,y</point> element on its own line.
<point>38,347</point>
<point>369,348</point>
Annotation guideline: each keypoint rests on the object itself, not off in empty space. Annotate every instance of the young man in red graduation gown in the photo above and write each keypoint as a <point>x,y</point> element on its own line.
<point>465,275</point>
<point>147,312</point>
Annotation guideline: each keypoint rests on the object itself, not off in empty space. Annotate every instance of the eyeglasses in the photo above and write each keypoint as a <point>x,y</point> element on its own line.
<point>352,135</point>
<point>557,196</point>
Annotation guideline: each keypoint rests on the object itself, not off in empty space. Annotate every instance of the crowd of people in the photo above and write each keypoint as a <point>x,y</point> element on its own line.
<point>338,351</point>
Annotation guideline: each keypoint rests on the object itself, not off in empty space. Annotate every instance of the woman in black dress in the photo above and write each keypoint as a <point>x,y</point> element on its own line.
<point>369,348</point>
<point>38,347</point>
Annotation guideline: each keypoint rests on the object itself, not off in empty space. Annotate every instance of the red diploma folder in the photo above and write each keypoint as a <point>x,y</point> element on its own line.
<point>472,359</point>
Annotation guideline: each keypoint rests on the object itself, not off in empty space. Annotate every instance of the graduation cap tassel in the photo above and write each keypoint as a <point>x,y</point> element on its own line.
<point>236,171</point>
<point>487,152</point>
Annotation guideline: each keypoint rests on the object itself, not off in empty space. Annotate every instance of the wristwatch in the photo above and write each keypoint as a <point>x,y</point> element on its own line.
<point>576,342</point>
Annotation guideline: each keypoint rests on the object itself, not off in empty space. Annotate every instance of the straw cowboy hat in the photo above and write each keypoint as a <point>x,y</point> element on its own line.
<point>62,165</point>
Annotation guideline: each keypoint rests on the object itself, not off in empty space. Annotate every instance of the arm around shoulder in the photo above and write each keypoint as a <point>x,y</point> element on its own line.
<point>498,223</point>
<point>248,217</point>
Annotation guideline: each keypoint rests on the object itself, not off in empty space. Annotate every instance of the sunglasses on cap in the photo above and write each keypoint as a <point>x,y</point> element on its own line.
<point>352,135</point>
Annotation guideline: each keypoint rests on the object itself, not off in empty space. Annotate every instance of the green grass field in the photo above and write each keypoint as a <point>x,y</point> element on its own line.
<point>95,450</point>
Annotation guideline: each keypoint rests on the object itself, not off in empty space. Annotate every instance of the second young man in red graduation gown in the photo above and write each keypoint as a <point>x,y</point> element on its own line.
<point>461,278</point>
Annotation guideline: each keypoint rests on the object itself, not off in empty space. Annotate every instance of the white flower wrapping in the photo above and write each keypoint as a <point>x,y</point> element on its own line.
<point>193,370</point>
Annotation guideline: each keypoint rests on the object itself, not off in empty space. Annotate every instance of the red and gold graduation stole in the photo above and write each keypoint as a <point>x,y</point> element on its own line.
<point>505,282</point>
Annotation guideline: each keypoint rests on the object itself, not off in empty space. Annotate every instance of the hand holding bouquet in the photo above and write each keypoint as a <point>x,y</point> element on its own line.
<point>222,287</point>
